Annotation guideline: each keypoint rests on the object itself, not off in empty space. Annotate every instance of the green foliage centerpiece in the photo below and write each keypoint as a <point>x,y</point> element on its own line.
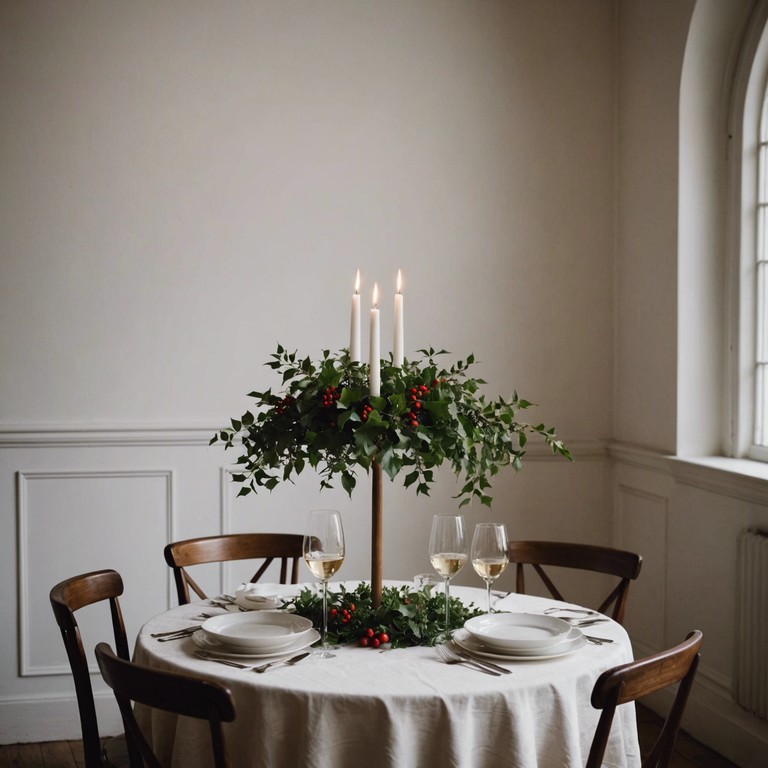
<point>424,416</point>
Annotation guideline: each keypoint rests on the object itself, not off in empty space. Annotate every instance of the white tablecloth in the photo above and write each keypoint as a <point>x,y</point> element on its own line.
<point>402,708</point>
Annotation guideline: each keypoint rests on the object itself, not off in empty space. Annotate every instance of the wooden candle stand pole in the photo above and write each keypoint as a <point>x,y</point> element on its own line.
<point>376,535</point>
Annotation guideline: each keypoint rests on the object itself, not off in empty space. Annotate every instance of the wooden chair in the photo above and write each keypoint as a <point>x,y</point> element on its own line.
<point>637,679</point>
<point>235,546</point>
<point>614,562</point>
<point>169,691</point>
<point>67,597</point>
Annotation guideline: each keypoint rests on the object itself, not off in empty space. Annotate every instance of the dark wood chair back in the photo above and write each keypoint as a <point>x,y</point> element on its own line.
<point>169,691</point>
<point>235,546</point>
<point>632,681</point>
<point>614,562</point>
<point>67,597</point>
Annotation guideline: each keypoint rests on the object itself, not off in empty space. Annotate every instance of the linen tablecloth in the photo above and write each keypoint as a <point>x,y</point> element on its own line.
<point>400,708</point>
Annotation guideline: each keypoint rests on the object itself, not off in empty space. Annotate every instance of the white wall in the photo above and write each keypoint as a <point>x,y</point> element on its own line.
<point>683,514</point>
<point>186,184</point>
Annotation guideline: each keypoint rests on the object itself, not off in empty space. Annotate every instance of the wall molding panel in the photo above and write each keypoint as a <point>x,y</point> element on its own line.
<point>80,483</point>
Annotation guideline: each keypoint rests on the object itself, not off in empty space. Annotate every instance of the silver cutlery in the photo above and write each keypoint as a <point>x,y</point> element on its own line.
<point>208,657</point>
<point>582,611</point>
<point>174,632</point>
<point>583,622</point>
<point>449,657</point>
<point>598,640</point>
<point>226,602</point>
<point>288,662</point>
<point>485,663</point>
<point>178,635</point>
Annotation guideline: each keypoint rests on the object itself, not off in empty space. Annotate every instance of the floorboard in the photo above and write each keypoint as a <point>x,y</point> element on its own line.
<point>689,753</point>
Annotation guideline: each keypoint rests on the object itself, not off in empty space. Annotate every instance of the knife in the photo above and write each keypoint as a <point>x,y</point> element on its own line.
<point>485,663</point>
<point>175,631</point>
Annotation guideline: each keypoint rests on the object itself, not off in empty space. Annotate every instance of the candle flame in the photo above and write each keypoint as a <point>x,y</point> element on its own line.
<point>357,282</point>
<point>375,295</point>
<point>399,281</point>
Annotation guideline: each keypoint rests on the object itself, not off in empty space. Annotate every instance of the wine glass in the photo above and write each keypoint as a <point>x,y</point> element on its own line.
<point>489,553</point>
<point>324,554</point>
<point>447,553</point>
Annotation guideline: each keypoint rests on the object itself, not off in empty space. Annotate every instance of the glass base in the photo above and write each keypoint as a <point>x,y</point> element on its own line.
<point>323,651</point>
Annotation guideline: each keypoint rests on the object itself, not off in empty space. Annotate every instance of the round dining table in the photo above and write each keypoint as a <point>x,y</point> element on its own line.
<point>395,708</point>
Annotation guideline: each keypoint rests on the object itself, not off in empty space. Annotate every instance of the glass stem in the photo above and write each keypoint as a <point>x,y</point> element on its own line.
<point>488,584</point>
<point>324,640</point>
<point>447,606</point>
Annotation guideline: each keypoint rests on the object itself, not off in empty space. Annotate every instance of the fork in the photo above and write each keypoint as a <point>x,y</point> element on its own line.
<point>288,662</point>
<point>449,657</point>
<point>583,622</point>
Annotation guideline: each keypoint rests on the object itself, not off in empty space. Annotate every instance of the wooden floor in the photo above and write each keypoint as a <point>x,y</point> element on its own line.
<point>69,754</point>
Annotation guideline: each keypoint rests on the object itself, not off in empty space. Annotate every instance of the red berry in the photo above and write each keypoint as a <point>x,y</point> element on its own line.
<point>414,423</point>
<point>333,611</point>
<point>369,632</point>
<point>383,637</point>
<point>375,642</point>
<point>351,606</point>
<point>363,641</point>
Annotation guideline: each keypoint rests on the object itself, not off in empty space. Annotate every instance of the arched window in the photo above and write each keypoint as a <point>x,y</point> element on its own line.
<point>749,227</point>
<point>757,276</point>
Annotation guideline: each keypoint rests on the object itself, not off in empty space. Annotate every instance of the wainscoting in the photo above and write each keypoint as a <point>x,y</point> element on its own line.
<point>685,516</point>
<point>79,500</point>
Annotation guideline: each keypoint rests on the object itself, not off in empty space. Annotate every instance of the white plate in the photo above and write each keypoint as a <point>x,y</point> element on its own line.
<point>215,648</point>
<point>259,631</point>
<point>469,643</point>
<point>517,632</point>
<point>572,638</point>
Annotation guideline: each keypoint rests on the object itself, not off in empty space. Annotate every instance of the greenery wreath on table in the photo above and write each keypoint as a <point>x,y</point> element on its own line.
<point>406,616</point>
<point>425,415</point>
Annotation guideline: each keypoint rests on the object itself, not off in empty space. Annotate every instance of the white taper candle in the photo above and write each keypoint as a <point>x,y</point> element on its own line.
<point>398,349</point>
<point>354,323</point>
<point>374,375</point>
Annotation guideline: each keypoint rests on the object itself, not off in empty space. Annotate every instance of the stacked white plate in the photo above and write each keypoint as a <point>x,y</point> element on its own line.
<point>519,636</point>
<point>255,634</point>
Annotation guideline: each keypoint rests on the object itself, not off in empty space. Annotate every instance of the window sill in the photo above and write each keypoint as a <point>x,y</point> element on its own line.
<point>740,478</point>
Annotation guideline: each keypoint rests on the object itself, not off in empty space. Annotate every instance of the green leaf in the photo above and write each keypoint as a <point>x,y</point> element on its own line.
<point>348,482</point>
<point>325,417</point>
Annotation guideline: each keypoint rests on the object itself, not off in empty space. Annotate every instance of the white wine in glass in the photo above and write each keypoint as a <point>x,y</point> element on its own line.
<point>447,553</point>
<point>324,554</point>
<point>490,554</point>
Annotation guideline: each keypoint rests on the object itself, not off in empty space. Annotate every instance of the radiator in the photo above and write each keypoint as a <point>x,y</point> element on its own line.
<point>751,678</point>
